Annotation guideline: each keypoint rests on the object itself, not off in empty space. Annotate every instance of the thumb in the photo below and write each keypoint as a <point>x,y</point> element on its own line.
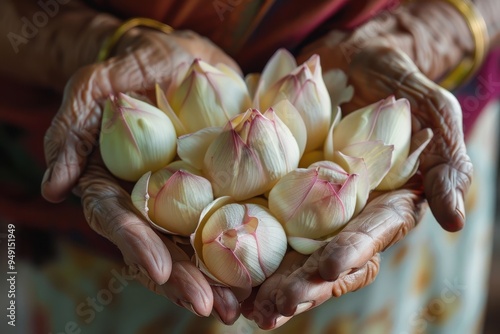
<point>446,167</point>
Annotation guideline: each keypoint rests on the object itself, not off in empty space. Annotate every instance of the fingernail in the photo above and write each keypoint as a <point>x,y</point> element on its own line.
<point>460,213</point>
<point>302,307</point>
<point>46,176</point>
<point>189,306</point>
<point>460,209</point>
<point>281,320</point>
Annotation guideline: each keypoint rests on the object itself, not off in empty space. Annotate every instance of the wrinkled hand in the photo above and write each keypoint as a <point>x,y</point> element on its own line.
<point>378,72</point>
<point>351,260</point>
<point>299,284</point>
<point>72,160</point>
<point>110,212</point>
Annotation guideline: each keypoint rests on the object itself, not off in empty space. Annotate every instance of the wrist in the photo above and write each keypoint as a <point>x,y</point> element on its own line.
<point>432,33</point>
<point>127,29</point>
<point>439,35</point>
<point>445,39</point>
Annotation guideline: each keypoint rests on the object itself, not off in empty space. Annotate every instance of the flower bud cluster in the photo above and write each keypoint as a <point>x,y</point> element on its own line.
<point>247,167</point>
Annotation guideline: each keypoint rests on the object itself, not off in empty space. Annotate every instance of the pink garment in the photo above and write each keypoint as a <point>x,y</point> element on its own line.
<point>481,90</point>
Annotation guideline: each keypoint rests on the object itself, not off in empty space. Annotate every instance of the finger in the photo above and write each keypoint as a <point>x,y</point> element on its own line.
<point>247,305</point>
<point>384,221</point>
<point>110,212</point>
<point>186,287</point>
<point>263,310</point>
<point>226,306</point>
<point>305,289</point>
<point>445,165</point>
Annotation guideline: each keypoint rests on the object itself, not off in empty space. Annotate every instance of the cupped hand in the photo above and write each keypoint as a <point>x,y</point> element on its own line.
<point>143,59</point>
<point>171,273</point>
<point>377,72</point>
<point>298,285</point>
<point>350,260</point>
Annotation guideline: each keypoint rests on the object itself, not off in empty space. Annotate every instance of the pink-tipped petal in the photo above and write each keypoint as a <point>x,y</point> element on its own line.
<point>404,170</point>
<point>376,156</point>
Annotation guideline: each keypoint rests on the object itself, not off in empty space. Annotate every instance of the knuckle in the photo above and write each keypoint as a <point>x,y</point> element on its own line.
<point>339,288</point>
<point>99,207</point>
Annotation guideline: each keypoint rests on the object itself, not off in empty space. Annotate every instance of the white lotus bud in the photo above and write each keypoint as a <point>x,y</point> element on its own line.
<point>381,134</point>
<point>238,245</point>
<point>135,138</point>
<point>246,158</point>
<point>172,198</point>
<point>205,96</point>
<point>314,203</point>
<point>304,87</point>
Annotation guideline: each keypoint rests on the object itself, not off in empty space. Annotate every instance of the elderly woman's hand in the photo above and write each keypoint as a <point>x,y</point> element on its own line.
<point>350,261</point>
<point>144,57</point>
<point>298,285</point>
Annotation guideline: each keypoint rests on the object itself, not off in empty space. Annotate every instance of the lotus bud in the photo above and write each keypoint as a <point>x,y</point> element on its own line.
<point>304,87</point>
<point>380,133</point>
<point>135,138</point>
<point>205,96</point>
<point>314,203</point>
<point>172,198</point>
<point>238,245</point>
<point>245,158</point>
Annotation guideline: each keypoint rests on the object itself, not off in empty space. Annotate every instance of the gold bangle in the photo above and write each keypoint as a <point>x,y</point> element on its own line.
<point>469,65</point>
<point>111,41</point>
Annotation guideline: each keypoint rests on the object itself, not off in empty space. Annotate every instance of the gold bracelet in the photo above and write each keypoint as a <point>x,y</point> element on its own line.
<point>111,41</point>
<point>477,26</point>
